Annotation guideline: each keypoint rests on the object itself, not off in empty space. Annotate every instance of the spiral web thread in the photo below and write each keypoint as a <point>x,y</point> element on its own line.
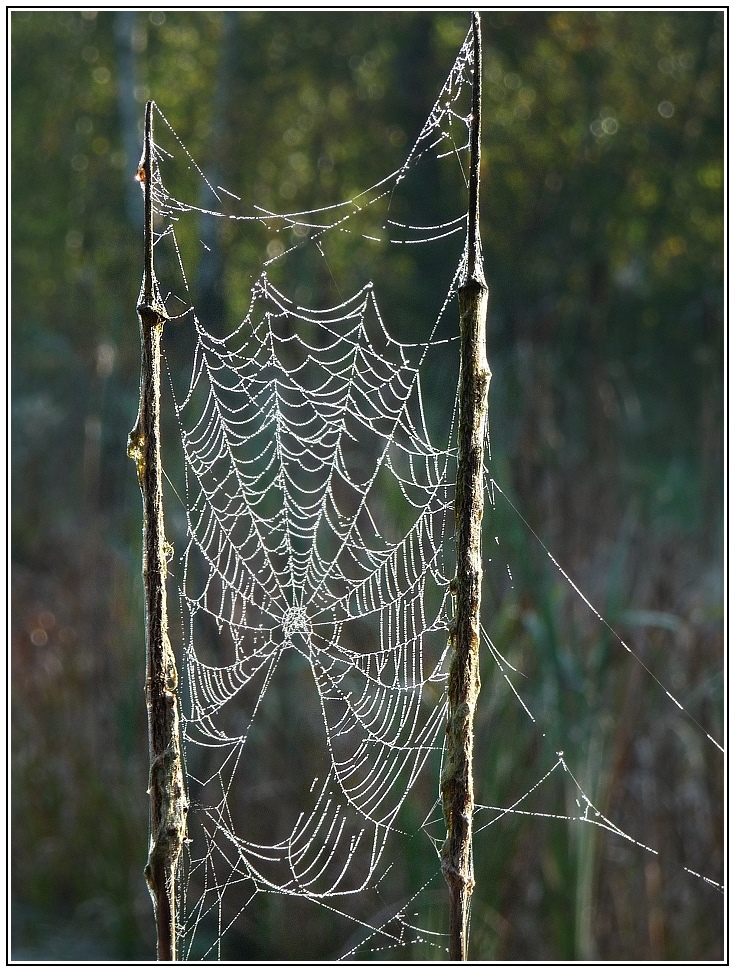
<point>316,568</point>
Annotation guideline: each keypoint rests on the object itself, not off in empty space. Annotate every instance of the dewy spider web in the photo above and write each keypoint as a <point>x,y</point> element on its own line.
<point>295,563</point>
<point>314,566</point>
<point>317,509</point>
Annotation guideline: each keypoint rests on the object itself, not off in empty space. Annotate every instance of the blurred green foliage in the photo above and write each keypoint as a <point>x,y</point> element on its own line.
<point>603,181</point>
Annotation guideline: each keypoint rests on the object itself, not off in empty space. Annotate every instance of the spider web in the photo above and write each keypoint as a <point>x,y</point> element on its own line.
<point>295,562</point>
<point>315,567</point>
<point>314,561</point>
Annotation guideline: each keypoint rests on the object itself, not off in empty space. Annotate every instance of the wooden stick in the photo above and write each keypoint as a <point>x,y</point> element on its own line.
<point>464,676</point>
<point>166,783</point>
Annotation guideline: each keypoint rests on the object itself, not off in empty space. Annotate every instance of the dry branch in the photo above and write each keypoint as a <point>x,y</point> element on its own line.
<point>166,783</point>
<point>464,676</point>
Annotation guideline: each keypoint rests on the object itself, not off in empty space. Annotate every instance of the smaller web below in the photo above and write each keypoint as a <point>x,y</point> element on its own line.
<point>314,560</point>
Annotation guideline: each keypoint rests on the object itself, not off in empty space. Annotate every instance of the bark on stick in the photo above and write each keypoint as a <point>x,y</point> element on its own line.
<point>464,677</point>
<point>166,782</point>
